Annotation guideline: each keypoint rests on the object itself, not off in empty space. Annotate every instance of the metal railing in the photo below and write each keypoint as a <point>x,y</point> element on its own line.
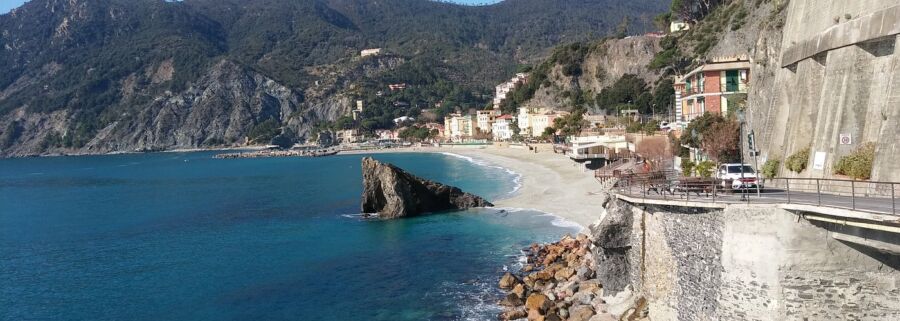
<point>863,196</point>
<point>587,156</point>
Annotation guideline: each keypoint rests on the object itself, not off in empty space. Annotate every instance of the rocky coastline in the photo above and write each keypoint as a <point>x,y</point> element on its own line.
<point>557,282</point>
<point>563,281</point>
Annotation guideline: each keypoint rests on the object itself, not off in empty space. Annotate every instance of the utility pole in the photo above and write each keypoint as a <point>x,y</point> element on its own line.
<point>741,148</point>
<point>751,141</point>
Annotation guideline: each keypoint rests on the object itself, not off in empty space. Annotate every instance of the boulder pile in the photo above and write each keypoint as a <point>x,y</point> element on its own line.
<point>557,283</point>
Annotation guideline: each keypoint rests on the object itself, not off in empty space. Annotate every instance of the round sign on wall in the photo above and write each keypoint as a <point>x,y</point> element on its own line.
<point>846,139</point>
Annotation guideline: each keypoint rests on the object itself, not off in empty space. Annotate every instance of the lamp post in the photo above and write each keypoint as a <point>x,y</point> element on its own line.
<point>740,115</point>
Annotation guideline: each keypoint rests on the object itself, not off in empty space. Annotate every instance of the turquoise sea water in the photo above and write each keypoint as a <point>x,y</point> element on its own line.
<point>182,236</point>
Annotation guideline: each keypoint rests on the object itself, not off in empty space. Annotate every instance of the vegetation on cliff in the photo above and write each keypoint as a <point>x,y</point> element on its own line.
<point>102,63</point>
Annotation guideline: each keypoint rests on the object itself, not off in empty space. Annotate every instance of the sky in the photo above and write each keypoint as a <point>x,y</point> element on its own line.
<point>7,5</point>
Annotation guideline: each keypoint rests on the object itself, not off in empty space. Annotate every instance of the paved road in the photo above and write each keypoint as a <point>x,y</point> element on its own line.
<point>879,205</point>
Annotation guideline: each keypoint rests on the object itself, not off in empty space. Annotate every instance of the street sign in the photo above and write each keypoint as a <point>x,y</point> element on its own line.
<point>819,161</point>
<point>846,139</point>
<point>751,141</point>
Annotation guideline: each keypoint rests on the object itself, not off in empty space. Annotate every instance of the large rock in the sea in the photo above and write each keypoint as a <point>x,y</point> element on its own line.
<point>393,193</point>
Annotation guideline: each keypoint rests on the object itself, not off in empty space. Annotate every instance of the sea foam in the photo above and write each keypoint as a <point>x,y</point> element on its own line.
<point>517,178</point>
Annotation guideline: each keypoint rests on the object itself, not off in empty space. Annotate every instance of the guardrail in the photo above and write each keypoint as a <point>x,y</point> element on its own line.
<point>587,156</point>
<point>863,196</point>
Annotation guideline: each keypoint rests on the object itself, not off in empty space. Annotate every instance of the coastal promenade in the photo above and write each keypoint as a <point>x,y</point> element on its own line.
<point>869,200</point>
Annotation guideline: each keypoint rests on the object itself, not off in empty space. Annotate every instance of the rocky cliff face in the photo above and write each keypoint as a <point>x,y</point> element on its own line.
<point>612,238</point>
<point>394,193</point>
<point>603,64</point>
<point>219,109</point>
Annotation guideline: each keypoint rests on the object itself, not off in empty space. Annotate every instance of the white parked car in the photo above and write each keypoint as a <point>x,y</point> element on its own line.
<point>665,126</point>
<point>732,173</point>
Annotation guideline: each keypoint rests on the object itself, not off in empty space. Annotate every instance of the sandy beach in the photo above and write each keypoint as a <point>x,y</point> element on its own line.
<point>551,183</point>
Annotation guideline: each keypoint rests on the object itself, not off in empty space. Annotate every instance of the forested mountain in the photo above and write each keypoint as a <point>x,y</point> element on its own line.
<point>91,76</point>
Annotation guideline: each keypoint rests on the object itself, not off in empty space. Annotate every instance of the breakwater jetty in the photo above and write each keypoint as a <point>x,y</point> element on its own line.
<point>282,153</point>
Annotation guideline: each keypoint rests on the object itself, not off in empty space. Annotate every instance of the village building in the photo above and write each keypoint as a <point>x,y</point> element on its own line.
<point>486,119</point>
<point>370,52</point>
<point>403,119</point>
<point>397,87</point>
<point>678,26</point>
<point>357,113</point>
<point>502,90</point>
<point>386,134</point>
<point>596,121</point>
<point>435,126</point>
<point>459,127</point>
<point>533,121</point>
<point>715,87</point>
<point>595,151</point>
<point>349,136</point>
<point>501,129</point>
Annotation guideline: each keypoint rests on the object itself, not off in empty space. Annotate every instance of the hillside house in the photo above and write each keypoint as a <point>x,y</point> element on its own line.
<point>370,52</point>
<point>486,119</point>
<point>714,87</point>
<point>501,129</point>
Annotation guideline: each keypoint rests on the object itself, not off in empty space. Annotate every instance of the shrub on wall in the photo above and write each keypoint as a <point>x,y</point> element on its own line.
<point>797,162</point>
<point>770,168</point>
<point>687,166</point>
<point>705,169</point>
<point>858,164</point>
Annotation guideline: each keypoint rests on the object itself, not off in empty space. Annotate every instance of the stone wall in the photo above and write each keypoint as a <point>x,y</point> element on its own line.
<point>747,263</point>
<point>851,88</point>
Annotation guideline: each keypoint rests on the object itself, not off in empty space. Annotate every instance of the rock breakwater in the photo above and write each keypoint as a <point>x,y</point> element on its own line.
<point>558,282</point>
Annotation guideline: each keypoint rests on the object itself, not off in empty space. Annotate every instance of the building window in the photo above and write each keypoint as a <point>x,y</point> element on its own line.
<point>732,81</point>
<point>701,81</point>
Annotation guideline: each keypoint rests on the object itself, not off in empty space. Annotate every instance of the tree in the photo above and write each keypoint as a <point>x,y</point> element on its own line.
<point>662,21</point>
<point>663,96</point>
<point>514,127</point>
<point>722,141</point>
<point>654,148</point>
<point>622,28</point>
<point>626,92</point>
<point>696,129</point>
<point>651,127</point>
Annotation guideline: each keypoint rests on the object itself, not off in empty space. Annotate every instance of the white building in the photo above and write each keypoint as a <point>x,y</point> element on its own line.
<point>502,128</point>
<point>502,90</point>
<point>486,119</point>
<point>403,119</point>
<point>370,52</point>
<point>533,121</point>
<point>599,146</point>
<point>523,119</point>
<point>540,121</point>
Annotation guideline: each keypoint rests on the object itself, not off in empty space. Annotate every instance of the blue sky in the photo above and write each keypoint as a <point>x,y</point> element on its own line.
<point>7,5</point>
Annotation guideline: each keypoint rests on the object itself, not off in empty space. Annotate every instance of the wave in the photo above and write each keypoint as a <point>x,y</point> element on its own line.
<point>517,178</point>
<point>557,221</point>
<point>476,299</point>
<point>361,216</point>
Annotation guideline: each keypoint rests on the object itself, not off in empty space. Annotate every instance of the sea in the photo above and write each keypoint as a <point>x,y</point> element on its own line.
<point>184,236</point>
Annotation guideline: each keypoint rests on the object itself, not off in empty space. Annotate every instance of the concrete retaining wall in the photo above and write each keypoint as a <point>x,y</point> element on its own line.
<point>840,78</point>
<point>744,263</point>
